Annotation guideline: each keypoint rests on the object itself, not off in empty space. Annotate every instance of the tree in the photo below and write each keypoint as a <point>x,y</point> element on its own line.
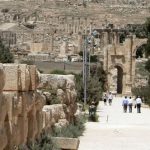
<point>147,24</point>
<point>5,55</point>
<point>147,65</point>
<point>144,91</point>
<point>96,84</point>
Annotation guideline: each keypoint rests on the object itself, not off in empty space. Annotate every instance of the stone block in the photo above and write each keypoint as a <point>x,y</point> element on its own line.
<point>17,77</point>
<point>67,143</point>
<point>57,111</point>
<point>47,117</point>
<point>11,76</point>
<point>53,81</point>
<point>24,77</point>
<point>34,77</point>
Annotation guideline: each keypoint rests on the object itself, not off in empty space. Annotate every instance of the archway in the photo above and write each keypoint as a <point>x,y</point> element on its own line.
<point>140,51</point>
<point>116,79</point>
<point>119,79</point>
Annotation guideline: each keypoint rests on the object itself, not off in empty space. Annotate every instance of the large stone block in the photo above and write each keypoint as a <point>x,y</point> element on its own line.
<point>34,77</point>
<point>47,118</point>
<point>24,77</point>
<point>67,143</point>
<point>53,81</point>
<point>17,77</point>
<point>57,111</point>
<point>11,76</point>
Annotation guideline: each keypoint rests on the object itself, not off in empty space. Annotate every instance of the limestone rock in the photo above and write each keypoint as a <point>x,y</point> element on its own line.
<point>24,77</point>
<point>54,81</point>
<point>61,95</point>
<point>67,143</point>
<point>11,73</point>
<point>24,114</point>
<point>61,123</point>
<point>34,77</point>
<point>17,76</point>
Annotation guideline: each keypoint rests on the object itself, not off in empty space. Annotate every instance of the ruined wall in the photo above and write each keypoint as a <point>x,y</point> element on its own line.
<point>22,107</point>
<point>65,90</point>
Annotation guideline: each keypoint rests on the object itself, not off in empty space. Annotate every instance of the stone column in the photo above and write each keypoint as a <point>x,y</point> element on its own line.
<point>115,40</point>
<point>80,42</point>
<point>51,42</point>
<point>105,38</point>
<point>78,27</point>
<point>64,48</point>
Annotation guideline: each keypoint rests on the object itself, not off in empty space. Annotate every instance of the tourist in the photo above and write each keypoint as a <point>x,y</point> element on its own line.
<point>105,99</point>
<point>138,104</point>
<point>130,103</point>
<point>125,104</point>
<point>110,98</point>
<point>92,107</point>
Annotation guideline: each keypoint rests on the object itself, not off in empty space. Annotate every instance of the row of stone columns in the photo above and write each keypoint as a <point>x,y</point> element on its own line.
<point>106,38</point>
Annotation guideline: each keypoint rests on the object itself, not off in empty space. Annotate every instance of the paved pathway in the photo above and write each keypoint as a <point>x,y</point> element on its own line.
<point>117,130</point>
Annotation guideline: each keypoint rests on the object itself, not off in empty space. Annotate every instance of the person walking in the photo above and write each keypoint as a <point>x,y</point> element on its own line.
<point>130,104</point>
<point>125,104</point>
<point>138,104</point>
<point>105,99</point>
<point>110,98</point>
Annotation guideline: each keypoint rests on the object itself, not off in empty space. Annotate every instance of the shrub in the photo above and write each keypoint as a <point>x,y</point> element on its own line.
<point>53,99</point>
<point>28,62</point>
<point>96,84</point>
<point>62,72</point>
<point>73,130</point>
<point>144,92</point>
<point>43,143</point>
<point>5,10</point>
<point>5,55</point>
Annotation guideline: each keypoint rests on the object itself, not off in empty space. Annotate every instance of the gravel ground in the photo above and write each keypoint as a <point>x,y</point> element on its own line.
<point>117,130</point>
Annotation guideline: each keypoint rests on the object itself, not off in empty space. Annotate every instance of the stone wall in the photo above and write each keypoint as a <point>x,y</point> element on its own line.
<point>24,114</point>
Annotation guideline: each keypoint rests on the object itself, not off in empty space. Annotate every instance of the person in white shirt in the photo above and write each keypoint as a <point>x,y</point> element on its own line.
<point>138,104</point>
<point>125,104</point>
<point>110,98</point>
<point>105,99</point>
<point>130,103</point>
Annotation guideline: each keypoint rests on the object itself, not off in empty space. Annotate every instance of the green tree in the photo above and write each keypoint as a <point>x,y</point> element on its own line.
<point>5,55</point>
<point>147,49</point>
<point>147,66</point>
<point>96,84</point>
<point>144,91</point>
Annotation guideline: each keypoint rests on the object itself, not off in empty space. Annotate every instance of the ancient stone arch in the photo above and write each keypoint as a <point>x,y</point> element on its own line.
<point>120,71</point>
<point>143,42</point>
<point>121,56</point>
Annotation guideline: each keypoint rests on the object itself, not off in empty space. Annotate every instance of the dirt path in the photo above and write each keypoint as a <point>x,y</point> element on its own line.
<point>117,130</point>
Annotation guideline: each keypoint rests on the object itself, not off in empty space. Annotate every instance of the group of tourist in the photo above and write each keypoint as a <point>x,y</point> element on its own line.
<point>108,97</point>
<point>128,102</point>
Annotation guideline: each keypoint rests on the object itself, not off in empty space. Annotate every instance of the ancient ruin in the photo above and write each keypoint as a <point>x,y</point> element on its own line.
<point>122,56</point>
<point>23,109</point>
